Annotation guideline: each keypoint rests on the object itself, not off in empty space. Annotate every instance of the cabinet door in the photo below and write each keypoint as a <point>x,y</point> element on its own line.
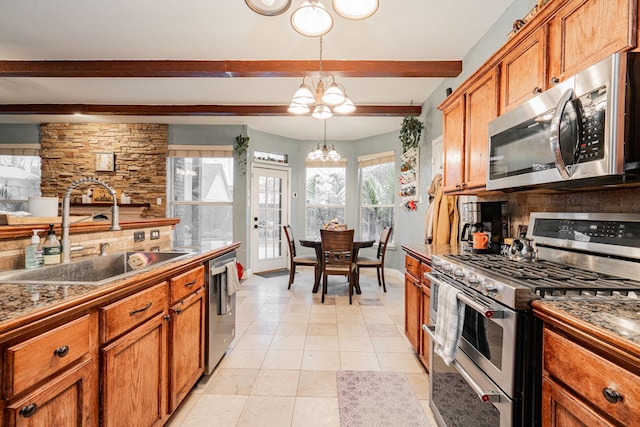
<point>412,309</point>
<point>453,145</point>
<point>561,408</point>
<point>522,71</point>
<point>134,372</point>
<point>586,31</point>
<point>482,107</point>
<point>70,399</point>
<point>425,342</point>
<point>186,346</point>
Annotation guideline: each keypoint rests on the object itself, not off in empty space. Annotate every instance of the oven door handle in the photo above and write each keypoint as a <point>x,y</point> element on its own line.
<point>484,395</point>
<point>487,312</point>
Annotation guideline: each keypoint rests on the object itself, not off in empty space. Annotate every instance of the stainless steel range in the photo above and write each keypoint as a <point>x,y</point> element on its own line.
<point>494,379</point>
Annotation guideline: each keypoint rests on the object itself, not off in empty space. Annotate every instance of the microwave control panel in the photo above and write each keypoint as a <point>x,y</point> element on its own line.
<point>592,106</point>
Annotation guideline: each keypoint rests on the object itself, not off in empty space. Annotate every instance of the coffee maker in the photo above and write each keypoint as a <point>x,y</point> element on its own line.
<point>489,217</point>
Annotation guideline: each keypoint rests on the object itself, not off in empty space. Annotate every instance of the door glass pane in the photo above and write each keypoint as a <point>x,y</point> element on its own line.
<point>269,235</point>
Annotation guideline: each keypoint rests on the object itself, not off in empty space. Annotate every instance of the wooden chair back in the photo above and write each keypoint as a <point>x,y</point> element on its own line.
<point>290,240</point>
<point>385,235</point>
<point>337,250</point>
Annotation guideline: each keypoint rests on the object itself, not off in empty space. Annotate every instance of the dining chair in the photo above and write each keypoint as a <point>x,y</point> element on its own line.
<point>295,260</point>
<point>337,258</point>
<point>378,261</point>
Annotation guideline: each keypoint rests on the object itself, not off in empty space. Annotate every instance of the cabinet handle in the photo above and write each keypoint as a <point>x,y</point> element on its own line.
<point>140,310</point>
<point>554,80</point>
<point>191,283</point>
<point>417,285</point>
<point>166,317</point>
<point>178,310</point>
<point>61,351</point>
<point>537,90</point>
<point>611,395</point>
<point>28,410</point>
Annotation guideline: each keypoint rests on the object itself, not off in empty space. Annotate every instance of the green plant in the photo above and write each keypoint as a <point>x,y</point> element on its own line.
<point>410,132</point>
<point>240,151</point>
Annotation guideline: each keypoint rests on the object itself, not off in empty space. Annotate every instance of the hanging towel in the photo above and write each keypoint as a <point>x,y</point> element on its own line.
<point>448,323</point>
<point>233,283</point>
<point>436,183</point>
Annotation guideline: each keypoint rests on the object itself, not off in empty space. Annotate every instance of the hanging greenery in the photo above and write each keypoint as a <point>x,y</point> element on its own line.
<point>240,150</point>
<point>410,132</point>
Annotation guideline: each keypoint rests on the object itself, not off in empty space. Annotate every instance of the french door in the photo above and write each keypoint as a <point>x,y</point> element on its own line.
<point>269,212</point>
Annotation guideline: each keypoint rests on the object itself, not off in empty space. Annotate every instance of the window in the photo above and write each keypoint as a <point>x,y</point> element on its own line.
<point>19,176</point>
<point>325,195</point>
<point>377,183</point>
<point>201,195</point>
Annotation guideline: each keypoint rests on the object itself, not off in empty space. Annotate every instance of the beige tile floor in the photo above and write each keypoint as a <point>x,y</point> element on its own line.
<point>281,368</point>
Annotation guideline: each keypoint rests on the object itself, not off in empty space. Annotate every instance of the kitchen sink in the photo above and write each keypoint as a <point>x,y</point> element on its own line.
<point>92,271</point>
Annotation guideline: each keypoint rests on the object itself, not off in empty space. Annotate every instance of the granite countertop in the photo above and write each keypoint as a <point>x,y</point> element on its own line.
<point>26,301</point>
<point>619,318</point>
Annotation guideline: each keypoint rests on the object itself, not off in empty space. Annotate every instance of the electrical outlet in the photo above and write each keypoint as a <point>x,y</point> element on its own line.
<point>154,234</point>
<point>138,236</point>
<point>155,249</point>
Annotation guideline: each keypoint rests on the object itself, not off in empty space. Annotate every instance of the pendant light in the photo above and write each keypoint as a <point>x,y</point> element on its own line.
<point>355,9</point>
<point>312,19</point>
<point>324,153</point>
<point>268,7</point>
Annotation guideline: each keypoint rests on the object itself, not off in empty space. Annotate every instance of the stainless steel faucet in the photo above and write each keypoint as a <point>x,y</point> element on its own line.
<point>66,204</point>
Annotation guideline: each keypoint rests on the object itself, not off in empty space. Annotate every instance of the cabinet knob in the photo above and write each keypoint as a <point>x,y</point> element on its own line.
<point>166,317</point>
<point>61,351</point>
<point>537,90</point>
<point>554,80</point>
<point>611,395</point>
<point>28,410</point>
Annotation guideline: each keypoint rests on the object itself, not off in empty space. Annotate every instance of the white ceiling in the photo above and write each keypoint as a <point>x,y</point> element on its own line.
<point>228,30</point>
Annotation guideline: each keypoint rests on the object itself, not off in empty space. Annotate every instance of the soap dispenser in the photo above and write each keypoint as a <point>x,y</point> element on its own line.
<point>33,257</point>
<point>51,248</point>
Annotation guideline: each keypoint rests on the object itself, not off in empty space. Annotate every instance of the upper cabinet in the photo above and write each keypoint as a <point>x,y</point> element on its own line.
<point>584,32</point>
<point>564,38</point>
<point>522,71</point>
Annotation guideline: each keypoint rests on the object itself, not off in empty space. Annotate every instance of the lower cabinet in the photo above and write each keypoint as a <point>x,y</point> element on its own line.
<point>412,302</point>
<point>425,341</point>
<point>134,376</point>
<point>417,297</point>
<point>67,400</point>
<point>186,351</point>
<point>561,408</point>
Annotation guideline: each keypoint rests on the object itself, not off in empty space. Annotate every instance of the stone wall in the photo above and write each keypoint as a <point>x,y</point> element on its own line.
<point>68,152</point>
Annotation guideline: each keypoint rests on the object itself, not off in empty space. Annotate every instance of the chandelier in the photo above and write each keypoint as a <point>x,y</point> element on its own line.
<point>323,100</point>
<point>324,153</point>
<point>312,18</point>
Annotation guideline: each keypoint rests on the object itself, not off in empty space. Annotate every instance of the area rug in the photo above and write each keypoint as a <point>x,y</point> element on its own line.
<point>369,398</point>
<point>275,273</point>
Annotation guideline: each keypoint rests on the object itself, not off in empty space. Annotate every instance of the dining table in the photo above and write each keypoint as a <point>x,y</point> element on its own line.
<point>316,244</point>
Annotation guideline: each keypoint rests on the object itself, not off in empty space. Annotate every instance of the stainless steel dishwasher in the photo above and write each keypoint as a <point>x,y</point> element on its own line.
<point>221,311</point>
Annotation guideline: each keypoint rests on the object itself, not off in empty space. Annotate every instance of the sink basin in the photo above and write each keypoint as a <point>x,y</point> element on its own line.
<point>94,270</point>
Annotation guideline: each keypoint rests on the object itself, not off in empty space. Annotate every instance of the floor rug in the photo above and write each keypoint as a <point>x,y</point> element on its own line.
<point>275,273</point>
<point>369,398</point>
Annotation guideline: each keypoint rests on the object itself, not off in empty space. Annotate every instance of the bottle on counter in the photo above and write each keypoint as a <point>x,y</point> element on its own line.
<point>51,248</point>
<point>33,256</point>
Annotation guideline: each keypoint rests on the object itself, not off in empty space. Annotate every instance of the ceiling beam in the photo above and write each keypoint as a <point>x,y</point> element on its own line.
<point>160,68</point>
<point>194,110</point>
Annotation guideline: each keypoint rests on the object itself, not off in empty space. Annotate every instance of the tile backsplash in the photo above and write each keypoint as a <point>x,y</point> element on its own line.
<point>622,200</point>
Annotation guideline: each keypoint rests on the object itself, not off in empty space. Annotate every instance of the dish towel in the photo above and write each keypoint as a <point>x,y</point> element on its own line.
<point>233,283</point>
<point>448,323</point>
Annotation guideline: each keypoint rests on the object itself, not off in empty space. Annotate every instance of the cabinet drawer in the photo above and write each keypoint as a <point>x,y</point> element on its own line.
<point>129,312</point>
<point>590,376</point>
<point>186,283</point>
<point>33,360</point>
<point>412,265</point>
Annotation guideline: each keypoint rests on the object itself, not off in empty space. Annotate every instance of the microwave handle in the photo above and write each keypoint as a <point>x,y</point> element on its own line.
<point>554,140</point>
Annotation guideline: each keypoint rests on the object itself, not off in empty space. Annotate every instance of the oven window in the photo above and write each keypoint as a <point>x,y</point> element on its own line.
<point>484,335</point>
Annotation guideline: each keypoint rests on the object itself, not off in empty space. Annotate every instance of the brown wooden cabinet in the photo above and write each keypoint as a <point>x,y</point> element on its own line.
<point>425,299</point>
<point>412,298</point>
<point>416,299</point>
<point>186,335</point>
<point>583,388</point>
<point>453,144</point>
<point>523,71</point>
<point>134,376</point>
<point>584,32</point>
<point>50,378</point>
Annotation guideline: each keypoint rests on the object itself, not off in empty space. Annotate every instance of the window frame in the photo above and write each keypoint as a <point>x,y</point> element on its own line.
<point>311,164</point>
<point>366,161</point>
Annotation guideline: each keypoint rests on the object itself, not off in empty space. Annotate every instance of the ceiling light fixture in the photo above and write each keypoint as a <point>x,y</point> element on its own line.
<point>269,7</point>
<point>321,101</point>
<point>355,9</point>
<point>312,19</point>
<point>324,153</point>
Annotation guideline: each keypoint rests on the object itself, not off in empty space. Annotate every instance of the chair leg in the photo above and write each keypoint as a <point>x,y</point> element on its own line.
<point>352,284</point>
<point>292,272</point>
<point>378,273</point>
<point>324,287</point>
<point>381,273</point>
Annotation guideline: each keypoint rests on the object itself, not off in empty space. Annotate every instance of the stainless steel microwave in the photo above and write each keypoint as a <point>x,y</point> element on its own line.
<point>582,132</point>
